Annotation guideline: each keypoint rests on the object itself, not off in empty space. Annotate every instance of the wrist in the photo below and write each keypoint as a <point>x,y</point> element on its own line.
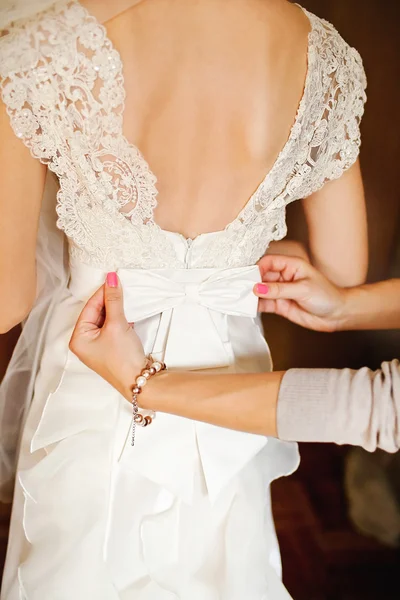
<point>155,395</point>
<point>150,392</point>
<point>349,314</point>
<point>127,377</point>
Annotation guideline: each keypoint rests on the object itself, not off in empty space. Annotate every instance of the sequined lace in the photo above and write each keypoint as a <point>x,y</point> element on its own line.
<point>62,83</point>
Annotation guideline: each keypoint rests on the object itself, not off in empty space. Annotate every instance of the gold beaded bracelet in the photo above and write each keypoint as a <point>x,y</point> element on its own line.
<point>152,368</point>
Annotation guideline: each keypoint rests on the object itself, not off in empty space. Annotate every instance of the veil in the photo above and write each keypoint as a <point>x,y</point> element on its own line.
<point>16,389</point>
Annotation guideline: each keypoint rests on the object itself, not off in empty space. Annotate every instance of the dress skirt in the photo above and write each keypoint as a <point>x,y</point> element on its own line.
<point>185,514</point>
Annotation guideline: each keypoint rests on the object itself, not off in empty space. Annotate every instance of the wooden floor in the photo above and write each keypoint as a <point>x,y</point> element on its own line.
<point>323,558</point>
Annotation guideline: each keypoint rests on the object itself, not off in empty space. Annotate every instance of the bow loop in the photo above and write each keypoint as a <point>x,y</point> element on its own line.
<point>193,319</point>
<point>228,291</point>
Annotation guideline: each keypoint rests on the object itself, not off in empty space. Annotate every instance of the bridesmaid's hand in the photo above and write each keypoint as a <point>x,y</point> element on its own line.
<point>104,340</point>
<point>294,289</point>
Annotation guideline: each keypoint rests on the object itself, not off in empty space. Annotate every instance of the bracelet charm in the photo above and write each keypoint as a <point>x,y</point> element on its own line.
<point>137,418</point>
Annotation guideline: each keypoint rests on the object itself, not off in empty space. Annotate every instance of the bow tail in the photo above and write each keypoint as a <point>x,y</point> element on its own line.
<point>249,346</point>
<point>224,453</point>
<point>192,337</point>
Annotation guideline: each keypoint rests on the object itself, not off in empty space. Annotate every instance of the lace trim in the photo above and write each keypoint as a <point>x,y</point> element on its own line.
<point>62,82</point>
<point>325,141</point>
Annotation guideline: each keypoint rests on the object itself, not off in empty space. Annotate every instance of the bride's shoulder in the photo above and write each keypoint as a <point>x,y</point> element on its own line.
<point>334,52</point>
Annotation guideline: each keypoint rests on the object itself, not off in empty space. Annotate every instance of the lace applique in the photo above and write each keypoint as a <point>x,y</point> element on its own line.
<point>63,87</point>
<point>62,82</point>
<point>323,143</point>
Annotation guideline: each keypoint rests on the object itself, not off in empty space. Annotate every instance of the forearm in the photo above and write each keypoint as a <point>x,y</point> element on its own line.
<point>245,402</point>
<point>291,248</point>
<point>373,306</point>
<point>360,408</point>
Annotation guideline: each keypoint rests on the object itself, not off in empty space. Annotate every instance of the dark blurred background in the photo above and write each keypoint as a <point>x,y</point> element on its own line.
<point>323,556</point>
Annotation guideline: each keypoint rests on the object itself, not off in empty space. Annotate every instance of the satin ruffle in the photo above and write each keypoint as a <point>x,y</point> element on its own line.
<point>184,515</point>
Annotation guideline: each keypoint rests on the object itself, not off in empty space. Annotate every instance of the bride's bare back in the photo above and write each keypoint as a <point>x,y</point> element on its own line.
<point>212,89</point>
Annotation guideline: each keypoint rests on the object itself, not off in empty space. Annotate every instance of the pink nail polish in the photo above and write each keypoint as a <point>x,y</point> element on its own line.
<point>262,288</point>
<point>112,280</point>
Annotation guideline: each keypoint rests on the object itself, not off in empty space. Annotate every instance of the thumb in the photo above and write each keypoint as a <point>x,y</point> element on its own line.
<point>113,299</point>
<point>278,290</point>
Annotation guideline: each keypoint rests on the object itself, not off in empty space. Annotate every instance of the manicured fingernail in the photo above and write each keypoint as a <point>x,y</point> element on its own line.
<point>112,280</point>
<point>262,288</point>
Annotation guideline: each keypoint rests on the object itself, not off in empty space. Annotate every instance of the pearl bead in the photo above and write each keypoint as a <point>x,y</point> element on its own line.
<point>147,421</point>
<point>138,419</point>
<point>157,366</point>
<point>136,390</point>
<point>147,373</point>
<point>141,381</point>
<point>152,371</point>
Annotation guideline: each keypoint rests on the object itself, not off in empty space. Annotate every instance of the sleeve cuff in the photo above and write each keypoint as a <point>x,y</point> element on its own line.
<point>305,408</point>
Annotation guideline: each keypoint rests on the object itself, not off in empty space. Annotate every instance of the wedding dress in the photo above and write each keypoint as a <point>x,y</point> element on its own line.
<point>185,514</point>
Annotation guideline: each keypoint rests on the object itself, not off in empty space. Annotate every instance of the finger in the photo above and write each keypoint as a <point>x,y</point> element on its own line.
<point>113,298</point>
<point>92,312</point>
<point>288,266</point>
<point>266,306</point>
<point>101,319</point>
<point>282,308</point>
<point>271,276</point>
<point>280,290</point>
<point>277,307</point>
<point>89,320</point>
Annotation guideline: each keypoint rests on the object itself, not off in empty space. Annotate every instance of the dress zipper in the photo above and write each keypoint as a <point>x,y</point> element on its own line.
<point>189,243</point>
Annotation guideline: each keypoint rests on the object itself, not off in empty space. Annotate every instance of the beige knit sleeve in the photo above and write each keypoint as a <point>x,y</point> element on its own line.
<point>361,408</point>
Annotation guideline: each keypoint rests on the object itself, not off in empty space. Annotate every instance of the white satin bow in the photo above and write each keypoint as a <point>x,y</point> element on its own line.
<point>195,330</point>
<point>194,319</point>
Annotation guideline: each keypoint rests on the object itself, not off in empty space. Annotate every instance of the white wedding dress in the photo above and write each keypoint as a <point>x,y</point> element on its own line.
<point>185,514</point>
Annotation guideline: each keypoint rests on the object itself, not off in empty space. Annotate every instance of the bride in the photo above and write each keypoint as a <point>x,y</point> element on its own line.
<point>239,108</point>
